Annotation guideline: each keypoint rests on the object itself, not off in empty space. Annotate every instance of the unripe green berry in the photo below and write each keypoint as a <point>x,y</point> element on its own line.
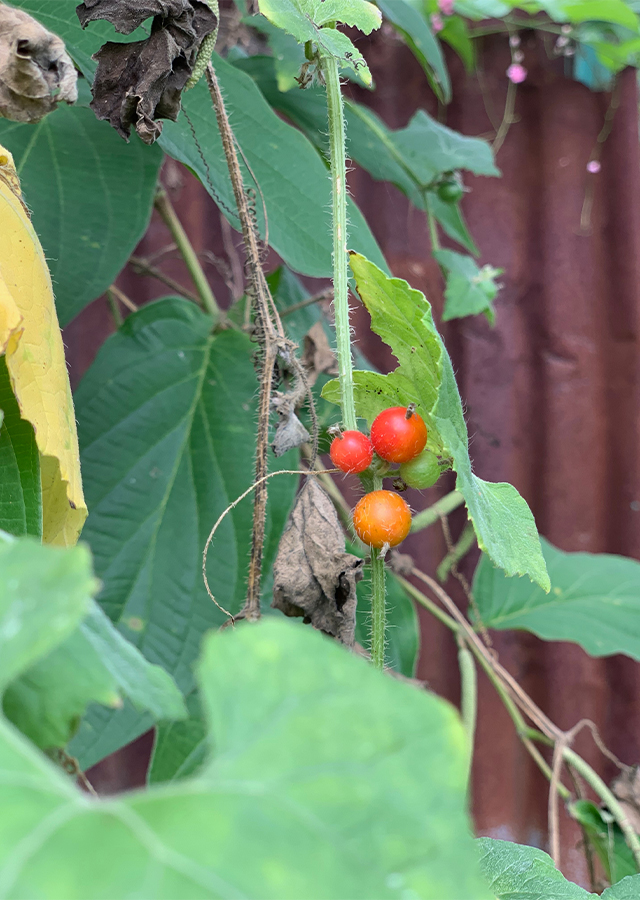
<point>422,471</point>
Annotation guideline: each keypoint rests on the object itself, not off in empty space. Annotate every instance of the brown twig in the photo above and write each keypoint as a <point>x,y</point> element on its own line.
<point>273,340</point>
<point>143,267</point>
<point>122,297</point>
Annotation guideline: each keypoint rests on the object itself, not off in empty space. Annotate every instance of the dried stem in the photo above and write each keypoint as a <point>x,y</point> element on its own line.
<point>144,267</point>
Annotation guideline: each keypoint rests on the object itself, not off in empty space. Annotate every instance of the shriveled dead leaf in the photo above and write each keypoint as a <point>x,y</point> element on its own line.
<point>318,356</point>
<point>626,788</point>
<point>35,71</point>
<point>313,576</point>
<point>31,341</point>
<point>138,83</point>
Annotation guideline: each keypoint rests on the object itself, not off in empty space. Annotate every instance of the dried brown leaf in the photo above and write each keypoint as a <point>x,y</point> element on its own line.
<point>138,83</point>
<point>35,71</point>
<point>626,788</point>
<point>318,356</point>
<point>313,575</point>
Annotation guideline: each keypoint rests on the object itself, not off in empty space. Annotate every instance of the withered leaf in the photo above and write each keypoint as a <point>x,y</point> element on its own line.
<point>626,788</point>
<point>318,356</point>
<point>138,83</point>
<point>35,71</point>
<point>313,576</point>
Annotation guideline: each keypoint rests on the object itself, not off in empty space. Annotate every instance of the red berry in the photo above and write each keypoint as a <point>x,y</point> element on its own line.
<point>351,451</point>
<point>380,518</point>
<point>398,434</point>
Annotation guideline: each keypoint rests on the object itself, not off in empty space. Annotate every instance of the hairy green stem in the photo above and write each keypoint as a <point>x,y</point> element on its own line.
<point>442,507</point>
<point>468,696</point>
<point>339,208</point>
<point>179,235</point>
<point>466,540</point>
<point>378,600</point>
<point>433,230</point>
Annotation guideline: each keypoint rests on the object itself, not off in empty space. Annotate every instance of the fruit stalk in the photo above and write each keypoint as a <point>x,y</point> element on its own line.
<point>329,66</point>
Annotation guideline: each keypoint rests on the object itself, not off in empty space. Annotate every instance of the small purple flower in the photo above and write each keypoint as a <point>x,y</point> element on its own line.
<point>446,7</point>
<point>516,73</point>
<point>514,40</point>
<point>593,166</point>
<point>436,23</point>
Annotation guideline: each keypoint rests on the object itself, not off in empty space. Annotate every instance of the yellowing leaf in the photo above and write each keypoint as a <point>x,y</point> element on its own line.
<point>31,341</point>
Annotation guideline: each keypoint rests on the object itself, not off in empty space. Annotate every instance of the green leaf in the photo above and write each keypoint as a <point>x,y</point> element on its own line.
<point>94,664</point>
<point>402,317</point>
<point>615,11</point>
<point>288,53</point>
<point>180,748</point>
<point>44,593</point>
<point>90,194</point>
<point>518,872</point>
<point>167,439</point>
<point>304,20</point>
<point>456,34</point>
<point>318,784</point>
<point>594,601</point>
<point>448,149</point>
<point>608,840</point>
<point>20,487</point>
<point>449,216</point>
<point>627,889</point>
<point>469,290</point>
<point>414,28</point>
<point>292,179</point>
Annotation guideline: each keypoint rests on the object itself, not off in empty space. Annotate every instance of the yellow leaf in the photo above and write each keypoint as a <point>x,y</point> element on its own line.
<point>31,341</point>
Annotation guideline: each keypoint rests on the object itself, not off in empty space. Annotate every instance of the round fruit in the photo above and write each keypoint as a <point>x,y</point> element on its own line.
<point>398,434</point>
<point>380,518</point>
<point>450,190</point>
<point>422,471</point>
<point>351,451</point>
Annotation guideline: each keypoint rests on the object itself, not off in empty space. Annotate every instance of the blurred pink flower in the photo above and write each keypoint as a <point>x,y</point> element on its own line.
<point>516,73</point>
<point>593,166</point>
<point>436,23</point>
<point>446,7</point>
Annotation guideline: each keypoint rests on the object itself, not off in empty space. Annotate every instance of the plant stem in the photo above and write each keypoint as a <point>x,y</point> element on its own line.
<point>115,309</point>
<point>339,208</point>
<point>468,696</point>
<point>378,600</point>
<point>442,507</point>
<point>466,540</point>
<point>433,230</point>
<point>179,235</point>
<point>378,609</point>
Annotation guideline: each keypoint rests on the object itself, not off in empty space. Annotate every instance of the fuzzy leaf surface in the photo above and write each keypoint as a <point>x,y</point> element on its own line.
<point>20,487</point>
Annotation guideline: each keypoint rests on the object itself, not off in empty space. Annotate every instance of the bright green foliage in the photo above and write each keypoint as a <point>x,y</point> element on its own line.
<point>469,290</point>
<point>627,889</point>
<point>413,27</point>
<point>20,488</point>
<point>304,19</point>
<point>44,594</point>
<point>320,773</point>
<point>518,872</point>
<point>167,439</point>
<point>288,53</point>
<point>292,179</point>
<point>90,195</point>
<point>181,747</point>
<point>605,835</point>
<point>94,664</point>
<point>594,601</point>
<point>402,317</point>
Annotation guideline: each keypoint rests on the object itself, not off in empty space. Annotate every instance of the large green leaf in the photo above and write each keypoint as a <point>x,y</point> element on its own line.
<point>304,19</point>
<point>44,593</point>
<point>94,664</point>
<point>627,889</point>
<point>413,26</point>
<point>594,601</point>
<point>518,872</point>
<point>402,317</point>
<point>322,781</point>
<point>292,179</point>
<point>167,440</point>
<point>90,195</point>
<point>20,487</point>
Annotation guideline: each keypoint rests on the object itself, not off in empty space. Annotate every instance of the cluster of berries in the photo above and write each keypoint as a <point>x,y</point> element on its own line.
<point>398,435</point>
